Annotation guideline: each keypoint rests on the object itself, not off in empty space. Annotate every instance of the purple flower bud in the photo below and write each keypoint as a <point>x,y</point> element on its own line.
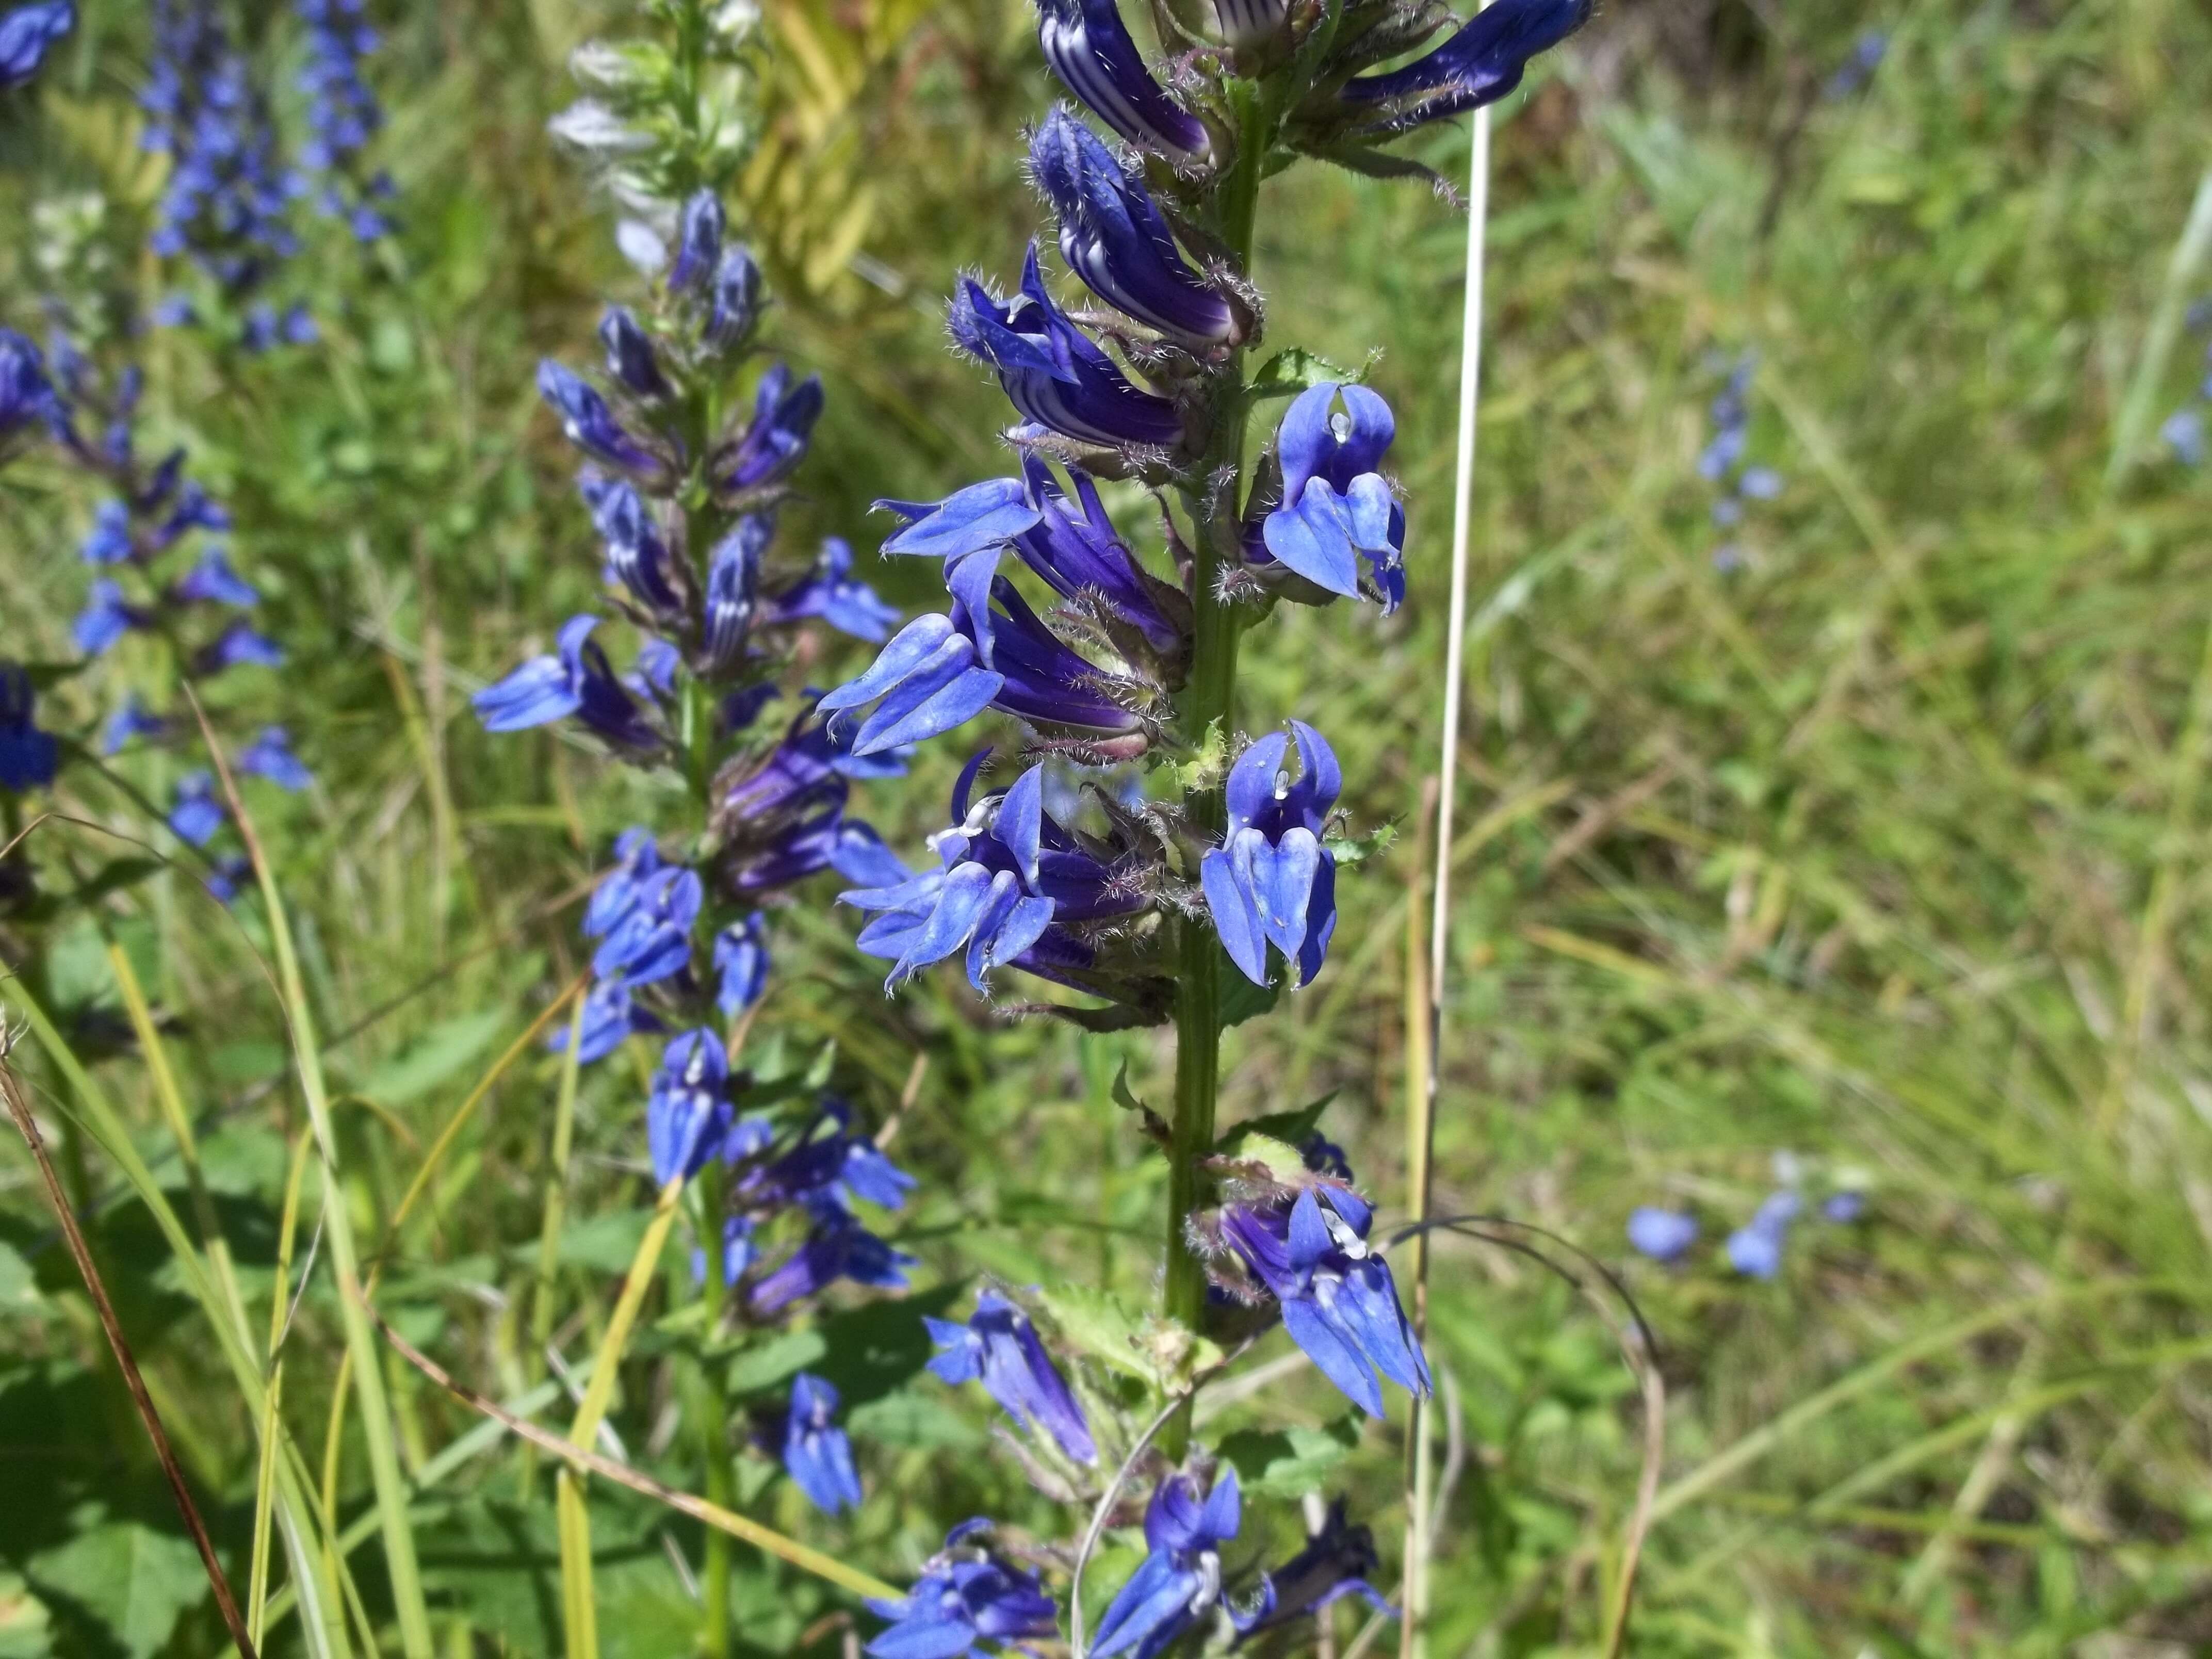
<point>1089,49</point>
<point>1479,65</point>
<point>999,1346</point>
<point>589,424</point>
<point>698,243</point>
<point>688,1110</point>
<point>741,965</point>
<point>630,357</point>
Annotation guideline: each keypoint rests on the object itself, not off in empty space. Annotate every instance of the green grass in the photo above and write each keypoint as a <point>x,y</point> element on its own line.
<point>1882,851</point>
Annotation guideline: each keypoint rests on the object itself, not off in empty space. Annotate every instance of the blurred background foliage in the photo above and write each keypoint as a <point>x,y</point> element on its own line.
<point>1858,845</point>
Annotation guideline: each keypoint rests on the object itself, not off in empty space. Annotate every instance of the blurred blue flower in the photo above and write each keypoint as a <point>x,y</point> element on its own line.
<point>1856,70</point>
<point>965,1596</point>
<point>108,541</point>
<point>2183,432</point>
<point>1336,1562</point>
<point>1271,881</point>
<point>831,592</point>
<point>1662,1235</point>
<point>1755,1249</point>
<point>28,757</point>
<point>653,941</point>
<point>238,645</point>
<point>741,965</point>
<point>590,425</point>
<point>27,397</point>
<point>701,227</point>
<point>611,1016</point>
<point>688,1108</point>
<point>999,1346</point>
<point>817,1453</point>
<point>228,876</point>
<point>27,34</point>
<point>342,114</point>
<point>1844,1207</point>
<point>269,756</point>
<point>104,619</point>
<point>630,357</point>
<point>132,720</point>
<point>212,581</point>
<point>768,450</point>
<point>195,814</point>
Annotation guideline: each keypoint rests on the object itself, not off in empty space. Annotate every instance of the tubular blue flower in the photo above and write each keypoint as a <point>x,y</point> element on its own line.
<point>630,356</point>
<point>1089,49</point>
<point>1843,1208</point>
<point>28,757</point>
<point>1335,1562</point>
<point>738,1252</point>
<point>1335,504</point>
<point>1008,873</point>
<point>734,305</point>
<point>830,591</point>
<point>1271,881</point>
<point>700,230</point>
<point>27,397</point>
<point>228,878</point>
<point>131,720</point>
<point>590,425</point>
<point>1072,545</point>
<point>966,1596</point>
<point>241,645</point>
<point>611,1018</point>
<point>838,1247</point>
<point>815,1452</point>
<point>636,856</point>
<point>1755,1249</point>
<point>1113,237</point>
<point>780,818</point>
<point>27,34</point>
<point>733,571</point>
<point>1052,371</point>
<point>108,541</point>
<point>928,680</point>
<point>1181,1579</point>
<point>1338,1300</point>
<point>741,965</point>
<point>195,814</point>
<point>774,444</point>
<point>1479,65</point>
<point>271,756</point>
<point>1662,1235</point>
<point>653,941</point>
<point>637,555</point>
<point>575,680</point>
<point>688,1110</point>
<point>212,581</point>
<point>1000,1347</point>
<point>104,619</point>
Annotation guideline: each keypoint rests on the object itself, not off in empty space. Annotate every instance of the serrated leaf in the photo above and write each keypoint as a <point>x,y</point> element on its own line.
<point>1289,373</point>
<point>1289,1462</point>
<point>132,1581</point>
<point>433,1058</point>
<point>1358,849</point>
<point>1154,1350</point>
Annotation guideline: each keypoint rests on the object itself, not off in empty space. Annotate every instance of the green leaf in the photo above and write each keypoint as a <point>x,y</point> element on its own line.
<point>25,1627</point>
<point>908,1419</point>
<point>1292,1128</point>
<point>606,1243</point>
<point>1241,999</point>
<point>1358,849</point>
<point>434,1057</point>
<point>1289,1462</point>
<point>1155,1351</point>
<point>776,1362</point>
<point>132,1581</point>
<point>19,1287</point>
<point>1289,373</point>
<point>113,877</point>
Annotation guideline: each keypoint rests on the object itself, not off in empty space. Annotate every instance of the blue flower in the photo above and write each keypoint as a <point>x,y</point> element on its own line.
<point>781,819</point>
<point>108,541</point>
<point>630,356</point>
<point>195,814</point>
<point>343,113</point>
<point>1181,1579</point>
<point>636,856</point>
<point>212,581</point>
<point>966,1596</point>
<point>734,304</point>
<point>1844,1207</point>
<point>104,619</point>
<point>228,877</point>
<point>1856,70</point>
<point>653,941</point>
<point>1338,1300</point>
<point>741,965</point>
<point>1479,65</point>
<point>591,426</point>
<point>1089,49</point>
<point>817,1454</point>
<point>27,34</point>
<point>27,397</point>
<point>1071,545</point>
<point>265,329</point>
<point>1755,1249</point>
<point>1115,238</point>
<point>131,720</point>
<point>768,450</point>
<point>1271,881</point>
<point>271,756</point>
<point>999,1346</point>
<point>611,1016</point>
<point>637,556</point>
<point>839,1246</point>
<point>699,228</point>
<point>1335,503</point>
<point>1051,370</point>
<point>830,591</point>
<point>1335,1562</point>
<point>1009,881</point>
<point>28,757</point>
<point>237,646</point>
<point>737,1252</point>
<point>1662,1235</point>
<point>575,680</point>
<point>688,1109</point>
<point>733,571</point>
<point>2183,432</point>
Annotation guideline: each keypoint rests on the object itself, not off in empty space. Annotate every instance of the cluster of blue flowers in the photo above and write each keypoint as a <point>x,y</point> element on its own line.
<point>1725,462</point>
<point>27,33</point>
<point>1755,1249</point>
<point>2183,430</point>
<point>343,116</point>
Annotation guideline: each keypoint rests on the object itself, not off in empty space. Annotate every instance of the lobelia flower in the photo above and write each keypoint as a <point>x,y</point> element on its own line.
<point>1755,1249</point>
<point>637,556</point>
<point>701,225</point>
<point>1662,1235</point>
<point>839,1246</point>
<point>782,817</point>
<point>1052,371</point>
<point>611,1016</point>
<point>630,357</point>
<point>999,1346</point>
<point>652,940</point>
<point>734,304</point>
<point>688,1109</point>
<point>741,965</point>
<point>1115,238</point>
<point>228,878</point>
<point>1844,1207</point>
<point>576,680</point>
<point>211,582</point>
<point>343,113</point>
<point>767,451</point>
<point>134,719</point>
<point>830,591</point>
<point>1338,1300</point>
<point>27,397</point>
<point>28,757</point>
<point>589,424</point>
<point>1336,506</point>
<point>1480,63</point>
<point>27,34</point>
<point>271,756</point>
<point>816,1453</point>
<point>108,541</point>
<point>238,645</point>
<point>1089,49</point>
<point>1010,880</point>
<point>195,814</point>
<point>104,619</point>
<point>966,1596</point>
<point>1180,1577</point>
<point>1271,881</point>
<point>1856,70</point>
<point>1335,1562</point>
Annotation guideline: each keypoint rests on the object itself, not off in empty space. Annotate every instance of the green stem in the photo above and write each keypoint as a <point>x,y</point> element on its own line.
<point>1209,708</point>
<point>714,1433</point>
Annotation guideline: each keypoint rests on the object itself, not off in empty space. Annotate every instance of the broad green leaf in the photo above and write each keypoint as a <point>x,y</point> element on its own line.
<point>1289,373</point>
<point>27,1629</point>
<point>908,1419</point>
<point>1155,1351</point>
<point>19,1288</point>
<point>1288,1462</point>
<point>1289,1128</point>
<point>776,1362</point>
<point>434,1057</point>
<point>606,1243</point>
<point>128,1579</point>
